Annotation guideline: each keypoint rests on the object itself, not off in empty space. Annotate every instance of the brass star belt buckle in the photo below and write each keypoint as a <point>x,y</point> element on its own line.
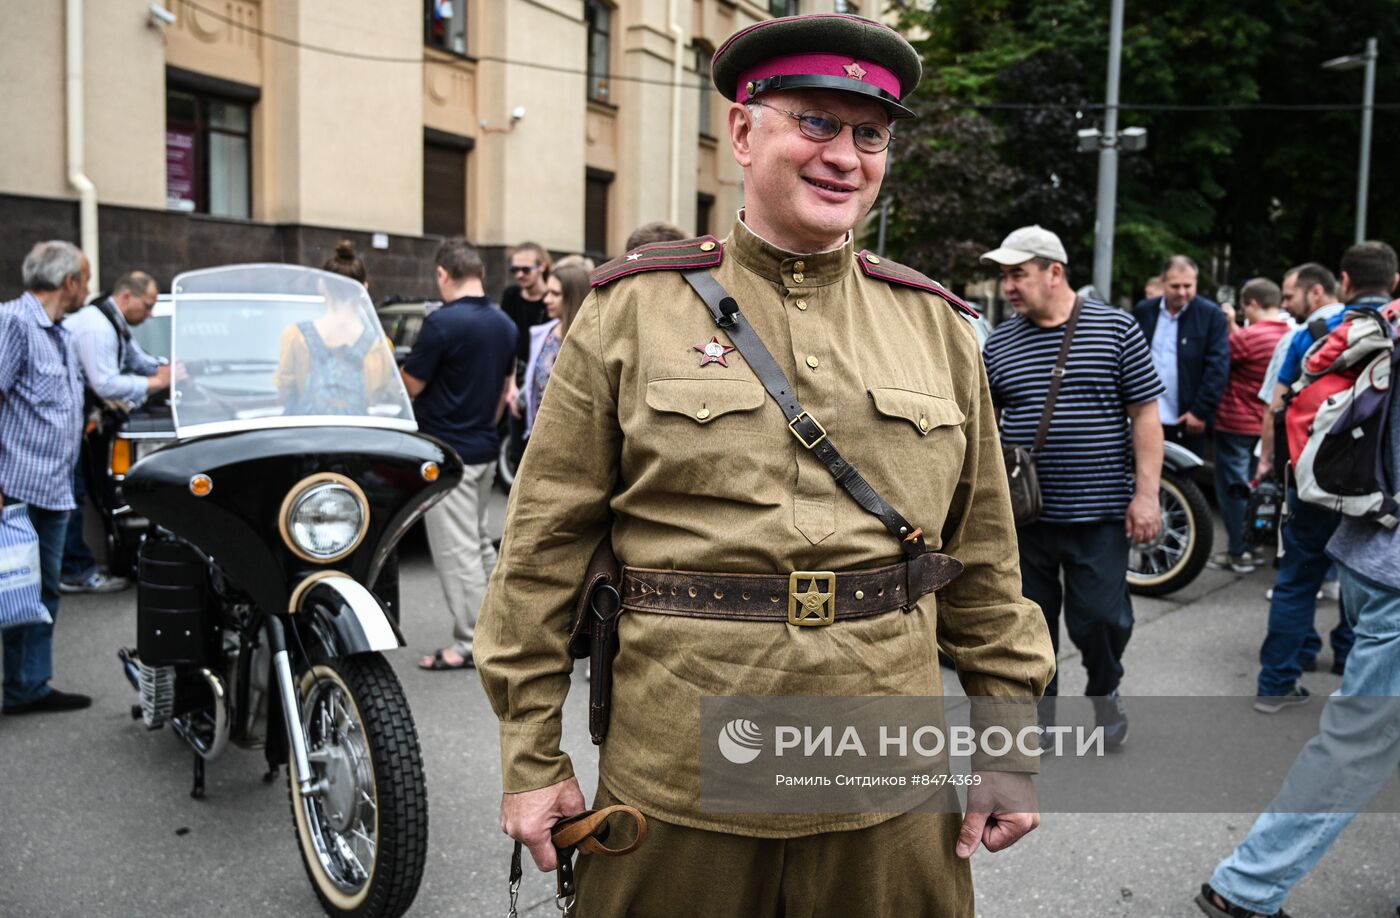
<point>811,598</point>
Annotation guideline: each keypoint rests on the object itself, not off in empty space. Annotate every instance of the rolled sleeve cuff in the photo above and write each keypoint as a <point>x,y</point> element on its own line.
<point>531,757</point>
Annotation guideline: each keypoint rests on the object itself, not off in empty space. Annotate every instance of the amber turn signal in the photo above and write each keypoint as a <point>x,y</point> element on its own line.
<point>429,471</point>
<point>201,485</point>
<point>121,456</point>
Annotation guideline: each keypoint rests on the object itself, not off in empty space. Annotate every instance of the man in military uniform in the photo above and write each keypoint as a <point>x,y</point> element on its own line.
<point>658,434</point>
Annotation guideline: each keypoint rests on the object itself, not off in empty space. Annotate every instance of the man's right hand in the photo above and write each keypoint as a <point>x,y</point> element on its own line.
<point>529,817</point>
<point>160,379</point>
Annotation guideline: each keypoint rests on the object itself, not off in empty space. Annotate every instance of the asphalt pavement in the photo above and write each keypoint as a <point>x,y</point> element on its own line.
<point>96,818</point>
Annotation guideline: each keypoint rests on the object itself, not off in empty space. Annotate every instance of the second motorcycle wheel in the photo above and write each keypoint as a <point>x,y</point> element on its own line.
<point>1173,559</point>
<point>364,833</point>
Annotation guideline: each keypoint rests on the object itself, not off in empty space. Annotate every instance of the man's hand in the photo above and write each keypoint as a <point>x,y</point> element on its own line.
<point>530,816</point>
<point>160,379</point>
<point>1264,466</point>
<point>999,811</point>
<point>1144,519</point>
<point>513,399</point>
<point>1194,425</point>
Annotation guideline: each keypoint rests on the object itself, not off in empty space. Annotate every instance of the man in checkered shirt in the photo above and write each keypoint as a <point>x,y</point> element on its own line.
<point>41,418</point>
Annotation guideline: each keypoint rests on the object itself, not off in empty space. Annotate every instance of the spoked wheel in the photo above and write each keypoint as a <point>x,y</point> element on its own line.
<point>1173,559</point>
<point>364,832</point>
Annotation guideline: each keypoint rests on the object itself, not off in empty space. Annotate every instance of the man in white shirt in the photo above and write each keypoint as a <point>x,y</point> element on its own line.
<point>114,368</point>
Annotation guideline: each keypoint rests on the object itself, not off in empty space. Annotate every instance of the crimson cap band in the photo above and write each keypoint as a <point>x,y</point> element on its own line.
<point>818,51</point>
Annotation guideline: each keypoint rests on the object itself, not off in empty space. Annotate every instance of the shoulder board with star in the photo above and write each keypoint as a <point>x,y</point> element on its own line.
<point>894,273</point>
<point>684,255</point>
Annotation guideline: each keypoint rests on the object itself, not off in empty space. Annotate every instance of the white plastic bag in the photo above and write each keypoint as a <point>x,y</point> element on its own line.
<point>20,602</point>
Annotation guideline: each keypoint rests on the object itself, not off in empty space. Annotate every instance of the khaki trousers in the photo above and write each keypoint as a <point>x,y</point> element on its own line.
<point>902,868</point>
<point>462,549</point>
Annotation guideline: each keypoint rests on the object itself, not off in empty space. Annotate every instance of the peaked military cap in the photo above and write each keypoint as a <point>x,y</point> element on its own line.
<point>818,51</point>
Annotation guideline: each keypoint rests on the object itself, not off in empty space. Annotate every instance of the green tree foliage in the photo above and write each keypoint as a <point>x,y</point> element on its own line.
<point>1008,82</point>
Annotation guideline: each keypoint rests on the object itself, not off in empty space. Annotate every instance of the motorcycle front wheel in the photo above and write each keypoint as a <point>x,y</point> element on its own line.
<point>364,832</point>
<point>1173,559</point>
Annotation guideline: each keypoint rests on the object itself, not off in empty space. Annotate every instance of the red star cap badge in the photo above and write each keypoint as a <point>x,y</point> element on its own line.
<point>714,352</point>
<point>855,71</point>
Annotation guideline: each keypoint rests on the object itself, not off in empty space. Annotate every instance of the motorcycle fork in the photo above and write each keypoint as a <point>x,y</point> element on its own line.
<point>291,708</point>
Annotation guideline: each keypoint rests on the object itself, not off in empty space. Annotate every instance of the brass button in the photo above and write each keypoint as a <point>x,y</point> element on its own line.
<point>873,259</point>
<point>812,361</point>
<point>802,304</point>
<point>860,594</point>
<point>703,413</point>
<point>923,424</point>
<point>799,266</point>
<point>707,246</point>
<point>797,277</point>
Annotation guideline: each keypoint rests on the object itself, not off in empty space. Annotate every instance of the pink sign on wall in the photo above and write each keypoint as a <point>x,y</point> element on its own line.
<point>179,170</point>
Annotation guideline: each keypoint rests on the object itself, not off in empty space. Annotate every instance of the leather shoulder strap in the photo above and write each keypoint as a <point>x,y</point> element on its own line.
<point>1057,376</point>
<point>808,431</point>
<point>873,265</point>
<point>685,255</point>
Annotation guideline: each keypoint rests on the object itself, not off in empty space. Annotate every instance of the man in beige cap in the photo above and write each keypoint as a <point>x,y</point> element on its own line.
<point>660,434</point>
<point>1099,479</point>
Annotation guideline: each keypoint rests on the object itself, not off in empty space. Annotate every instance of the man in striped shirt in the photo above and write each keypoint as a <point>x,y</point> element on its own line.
<point>1099,479</point>
<point>41,418</point>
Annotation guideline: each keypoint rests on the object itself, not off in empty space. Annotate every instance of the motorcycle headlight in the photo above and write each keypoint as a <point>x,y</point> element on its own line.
<point>324,518</point>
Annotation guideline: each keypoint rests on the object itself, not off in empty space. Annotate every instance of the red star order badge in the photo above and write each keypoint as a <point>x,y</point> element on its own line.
<point>714,352</point>
<point>855,71</point>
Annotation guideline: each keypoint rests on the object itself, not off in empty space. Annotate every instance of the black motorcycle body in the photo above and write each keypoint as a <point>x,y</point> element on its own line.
<point>267,596</point>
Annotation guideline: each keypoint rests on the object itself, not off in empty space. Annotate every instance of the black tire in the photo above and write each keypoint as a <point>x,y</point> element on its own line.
<point>506,464</point>
<point>1179,553</point>
<point>386,765</point>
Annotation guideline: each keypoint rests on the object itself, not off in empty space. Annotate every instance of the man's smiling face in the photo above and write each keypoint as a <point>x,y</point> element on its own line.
<point>803,194</point>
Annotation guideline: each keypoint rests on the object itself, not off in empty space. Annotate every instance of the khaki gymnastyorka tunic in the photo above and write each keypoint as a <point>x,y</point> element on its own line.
<point>695,468</point>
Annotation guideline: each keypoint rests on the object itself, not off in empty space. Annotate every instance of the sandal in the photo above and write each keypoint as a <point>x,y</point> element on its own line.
<point>436,662</point>
<point>1207,899</point>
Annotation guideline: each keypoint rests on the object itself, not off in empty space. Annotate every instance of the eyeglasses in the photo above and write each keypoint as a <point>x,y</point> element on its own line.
<point>524,269</point>
<point>824,127</point>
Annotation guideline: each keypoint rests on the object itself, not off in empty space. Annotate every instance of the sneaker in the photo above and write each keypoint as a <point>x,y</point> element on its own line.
<point>1224,561</point>
<point>1272,704</point>
<point>1112,715</point>
<point>98,581</point>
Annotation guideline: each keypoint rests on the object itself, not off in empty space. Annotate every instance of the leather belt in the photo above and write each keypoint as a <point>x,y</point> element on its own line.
<point>801,598</point>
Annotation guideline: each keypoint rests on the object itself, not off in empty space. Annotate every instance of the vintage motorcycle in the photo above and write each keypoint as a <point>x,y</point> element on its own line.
<point>268,586</point>
<point>1181,549</point>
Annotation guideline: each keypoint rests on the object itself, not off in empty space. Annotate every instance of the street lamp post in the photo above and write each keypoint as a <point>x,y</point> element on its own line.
<point>1108,142</point>
<point>1365,59</point>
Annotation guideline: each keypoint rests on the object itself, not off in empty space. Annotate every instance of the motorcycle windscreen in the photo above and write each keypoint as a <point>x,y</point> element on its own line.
<point>267,345</point>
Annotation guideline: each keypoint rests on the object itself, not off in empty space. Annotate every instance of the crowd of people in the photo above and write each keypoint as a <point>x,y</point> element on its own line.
<point>649,440</point>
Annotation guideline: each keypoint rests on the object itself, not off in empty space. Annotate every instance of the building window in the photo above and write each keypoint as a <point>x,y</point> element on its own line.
<point>597,184</point>
<point>704,210</point>
<point>445,183</point>
<point>784,7</point>
<point>599,16</point>
<point>702,54</point>
<point>445,25</point>
<point>208,154</point>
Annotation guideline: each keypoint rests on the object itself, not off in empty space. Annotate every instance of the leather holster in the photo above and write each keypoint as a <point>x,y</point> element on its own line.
<point>593,633</point>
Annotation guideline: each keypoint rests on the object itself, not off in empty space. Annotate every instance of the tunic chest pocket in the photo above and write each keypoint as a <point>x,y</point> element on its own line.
<point>925,412</point>
<point>705,400</point>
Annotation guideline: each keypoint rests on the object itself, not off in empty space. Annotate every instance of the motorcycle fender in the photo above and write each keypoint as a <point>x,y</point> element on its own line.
<point>1177,458</point>
<point>349,612</point>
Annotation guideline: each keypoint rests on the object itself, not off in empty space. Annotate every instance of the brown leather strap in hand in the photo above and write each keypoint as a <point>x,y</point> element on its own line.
<point>589,829</point>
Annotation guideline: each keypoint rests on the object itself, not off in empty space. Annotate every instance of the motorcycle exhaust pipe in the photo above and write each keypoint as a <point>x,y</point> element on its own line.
<point>219,741</point>
<point>291,707</point>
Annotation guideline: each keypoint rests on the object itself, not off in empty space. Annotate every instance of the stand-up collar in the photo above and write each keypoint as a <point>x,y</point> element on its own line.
<point>788,269</point>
